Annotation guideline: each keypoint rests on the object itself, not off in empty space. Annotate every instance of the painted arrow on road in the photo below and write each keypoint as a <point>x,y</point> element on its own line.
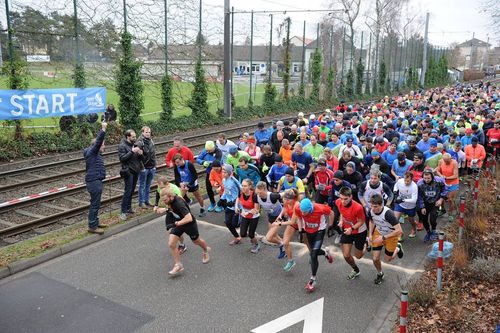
<point>311,314</point>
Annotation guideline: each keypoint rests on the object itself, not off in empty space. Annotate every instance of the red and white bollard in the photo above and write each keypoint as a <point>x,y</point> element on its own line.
<point>476,192</point>
<point>440,261</point>
<point>461,221</point>
<point>404,311</point>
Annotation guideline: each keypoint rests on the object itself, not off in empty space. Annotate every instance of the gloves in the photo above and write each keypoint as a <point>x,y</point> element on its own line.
<point>330,231</point>
<point>301,235</point>
<point>206,164</point>
<point>170,226</point>
<point>265,168</point>
<point>222,203</point>
<point>398,200</point>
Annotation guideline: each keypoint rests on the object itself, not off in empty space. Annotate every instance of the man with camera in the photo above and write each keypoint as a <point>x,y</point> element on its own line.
<point>96,172</point>
<point>131,157</point>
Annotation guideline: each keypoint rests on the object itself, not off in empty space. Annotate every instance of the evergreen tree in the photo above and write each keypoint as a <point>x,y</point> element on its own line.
<point>129,85</point>
<point>198,103</point>
<point>382,78</point>
<point>270,93</point>
<point>360,69</point>
<point>349,86</point>
<point>79,76</point>
<point>316,74</point>
<point>166,98</point>
<point>330,81</point>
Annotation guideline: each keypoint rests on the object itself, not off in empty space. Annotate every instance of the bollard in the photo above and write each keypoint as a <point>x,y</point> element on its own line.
<point>403,312</point>
<point>440,261</point>
<point>476,192</point>
<point>461,223</point>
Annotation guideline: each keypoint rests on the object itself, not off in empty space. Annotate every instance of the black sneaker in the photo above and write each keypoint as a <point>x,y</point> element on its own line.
<point>379,278</point>
<point>400,252</point>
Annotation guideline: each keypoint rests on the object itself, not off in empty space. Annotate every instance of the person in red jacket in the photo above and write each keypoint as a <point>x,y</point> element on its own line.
<point>322,181</point>
<point>178,148</point>
<point>381,144</point>
<point>493,136</point>
<point>312,219</point>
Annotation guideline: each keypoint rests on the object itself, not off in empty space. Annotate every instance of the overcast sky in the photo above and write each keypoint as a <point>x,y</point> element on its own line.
<point>450,20</point>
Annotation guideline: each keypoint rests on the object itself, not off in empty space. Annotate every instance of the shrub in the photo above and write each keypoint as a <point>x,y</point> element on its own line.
<point>487,269</point>
<point>421,292</point>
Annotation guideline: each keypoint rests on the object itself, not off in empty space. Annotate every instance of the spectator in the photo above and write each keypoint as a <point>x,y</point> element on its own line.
<point>149,160</point>
<point>95,174</point>
<point>131,157</point>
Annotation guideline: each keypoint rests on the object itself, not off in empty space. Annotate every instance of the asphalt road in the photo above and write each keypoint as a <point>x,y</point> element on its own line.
<point>121,285</point>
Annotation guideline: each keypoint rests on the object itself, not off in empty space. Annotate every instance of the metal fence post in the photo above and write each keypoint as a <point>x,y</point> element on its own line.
<point>461,224</point>
<point>440,261</point>
<point>251,56</point>
<point>403,312</point>
<point>476,192</point>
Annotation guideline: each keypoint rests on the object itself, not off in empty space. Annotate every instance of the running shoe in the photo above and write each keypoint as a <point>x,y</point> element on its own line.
<point>255,248</point>
<point>412,234</point>
<point>451,218</point>
<point>311,285</point>
<point>211,208</point>
<point>235,241</point>
<point>434,235</point>
<point>337,239</point>
<point>282,253</point>
<point>402,219</point>
<point>354,274</point>
<point>328,255</point>
<point>379,278</point>
<point>219,209</point>
<point>420,226</point>
<point>289,265</point>
<point>202,212</point>
<point>205,257</point>
<point>178,268</point>
<point>182,248</point>
<point>427,237</point>
<point>400,251</point>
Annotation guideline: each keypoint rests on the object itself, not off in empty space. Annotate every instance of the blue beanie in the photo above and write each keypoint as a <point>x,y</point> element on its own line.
<point>433,142</point>
<point>306,206</point>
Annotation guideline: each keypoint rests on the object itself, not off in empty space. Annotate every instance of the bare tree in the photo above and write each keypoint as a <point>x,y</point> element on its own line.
<point>350,14</point>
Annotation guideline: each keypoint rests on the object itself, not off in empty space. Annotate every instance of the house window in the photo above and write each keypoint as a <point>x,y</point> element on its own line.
<point>297,68</point>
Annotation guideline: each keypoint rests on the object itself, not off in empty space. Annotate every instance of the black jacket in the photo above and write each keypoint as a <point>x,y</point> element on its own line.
<point>94,163</point>
<point>149,151</point>
<point>130,161</point>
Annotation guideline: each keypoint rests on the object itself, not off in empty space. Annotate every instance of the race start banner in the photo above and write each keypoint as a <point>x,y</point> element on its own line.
<point>41,103</point>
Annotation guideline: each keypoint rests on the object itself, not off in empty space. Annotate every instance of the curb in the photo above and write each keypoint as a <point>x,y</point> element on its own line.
<point>24,264</point>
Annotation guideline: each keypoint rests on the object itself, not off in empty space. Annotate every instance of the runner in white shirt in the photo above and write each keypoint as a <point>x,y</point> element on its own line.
<point>405,200</point>
<point>384,232</point>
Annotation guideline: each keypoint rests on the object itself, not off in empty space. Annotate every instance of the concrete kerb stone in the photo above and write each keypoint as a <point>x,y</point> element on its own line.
<point>21,265</point>
<point>4,272</point>
<point>24,264</point>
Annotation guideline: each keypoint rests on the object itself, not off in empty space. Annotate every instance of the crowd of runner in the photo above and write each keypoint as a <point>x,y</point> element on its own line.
<point>353,172</point>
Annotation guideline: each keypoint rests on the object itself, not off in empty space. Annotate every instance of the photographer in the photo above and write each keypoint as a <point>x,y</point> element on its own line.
<point>131,156</point>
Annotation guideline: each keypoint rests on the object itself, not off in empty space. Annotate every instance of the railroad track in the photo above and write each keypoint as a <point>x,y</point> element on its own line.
<point>50,206</point>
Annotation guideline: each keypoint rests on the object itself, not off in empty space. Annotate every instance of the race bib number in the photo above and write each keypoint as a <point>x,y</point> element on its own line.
<point>312,225</point>
<point>430,193</point>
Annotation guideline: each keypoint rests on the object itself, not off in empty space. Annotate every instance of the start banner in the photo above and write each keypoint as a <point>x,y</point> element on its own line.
<point>40,103</point>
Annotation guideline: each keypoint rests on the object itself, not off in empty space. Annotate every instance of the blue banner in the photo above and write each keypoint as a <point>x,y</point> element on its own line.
<point>40,103</point>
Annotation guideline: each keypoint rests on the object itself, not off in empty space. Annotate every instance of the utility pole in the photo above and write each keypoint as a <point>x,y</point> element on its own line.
<point>227,60</point>
<point>77,44</point>
<point>124,16</point>
<point>270,49</point>
<point>166,37</point>
<point>424,57</point>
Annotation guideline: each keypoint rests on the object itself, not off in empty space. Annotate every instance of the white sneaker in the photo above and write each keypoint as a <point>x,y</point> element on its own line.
<point>337,239</point>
